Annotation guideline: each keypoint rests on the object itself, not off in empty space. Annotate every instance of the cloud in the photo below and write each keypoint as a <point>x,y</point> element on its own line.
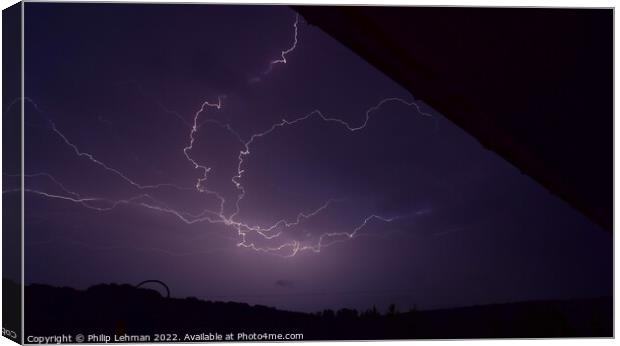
<point>284,283</point>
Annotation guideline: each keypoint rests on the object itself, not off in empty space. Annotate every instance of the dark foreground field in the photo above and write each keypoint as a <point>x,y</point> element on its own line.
<point>124,309</point>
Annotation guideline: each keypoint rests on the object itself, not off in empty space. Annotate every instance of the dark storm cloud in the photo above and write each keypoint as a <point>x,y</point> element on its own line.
<point>284,283</point>
<point>468,228</point>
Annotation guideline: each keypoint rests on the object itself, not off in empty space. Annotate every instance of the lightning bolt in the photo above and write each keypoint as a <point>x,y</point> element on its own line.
<point>284,53</point>
<point>115,171</point>
<point>266,233</point>
<point>186,151</point>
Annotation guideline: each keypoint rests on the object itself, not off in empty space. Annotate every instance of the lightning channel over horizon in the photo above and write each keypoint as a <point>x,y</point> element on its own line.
<point>243,229</point>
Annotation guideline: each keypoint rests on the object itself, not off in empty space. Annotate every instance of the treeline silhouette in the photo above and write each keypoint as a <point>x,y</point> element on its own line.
<point>114,309</point>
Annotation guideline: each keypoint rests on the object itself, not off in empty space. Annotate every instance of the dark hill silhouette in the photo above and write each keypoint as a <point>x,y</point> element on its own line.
<point>118,309</point>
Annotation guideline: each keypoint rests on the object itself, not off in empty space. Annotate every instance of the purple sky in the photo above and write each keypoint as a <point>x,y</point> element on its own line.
<point>453,224</point>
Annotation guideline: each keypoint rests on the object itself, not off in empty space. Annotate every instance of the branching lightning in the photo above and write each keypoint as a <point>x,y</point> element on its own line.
<point>284,53</point>
<point>271,233</point>
<point>90,157</point>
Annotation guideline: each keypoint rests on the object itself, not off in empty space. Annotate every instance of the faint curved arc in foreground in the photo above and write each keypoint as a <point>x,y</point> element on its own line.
<point>157,282</point>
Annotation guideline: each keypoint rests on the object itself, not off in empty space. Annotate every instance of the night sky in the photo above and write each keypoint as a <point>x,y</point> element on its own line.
<point>409,208</point>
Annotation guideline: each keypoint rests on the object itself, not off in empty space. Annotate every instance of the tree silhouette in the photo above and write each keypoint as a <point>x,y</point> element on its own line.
<point>349,314</point>
<point>392,310</point>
